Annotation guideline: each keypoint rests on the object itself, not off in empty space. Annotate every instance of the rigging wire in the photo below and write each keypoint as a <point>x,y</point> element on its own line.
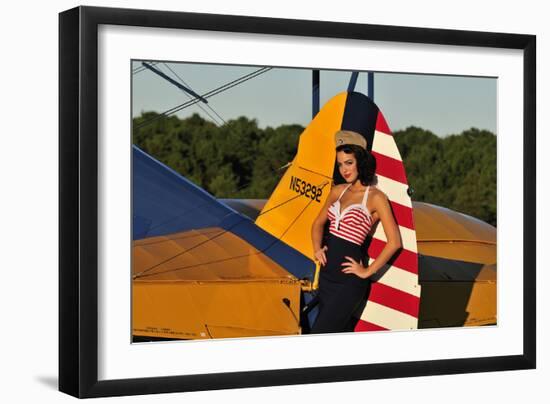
<point>234,82</point>
<point>142,68</point>
<point>200,105</point>
<point>193,101</point>
<point>143,273</point>
<point>211,117</point>
<point>205,204</point>
<point>207,95</point>
<point>282,168</point>
<point>321,186</point>
<point>211,93</point>
<point>174,82</point>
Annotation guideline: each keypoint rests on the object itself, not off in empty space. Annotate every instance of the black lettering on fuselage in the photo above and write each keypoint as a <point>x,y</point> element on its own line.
<point>305,188</point>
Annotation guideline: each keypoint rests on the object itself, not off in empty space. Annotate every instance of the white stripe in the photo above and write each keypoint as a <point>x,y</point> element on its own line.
<point>400,279</point>
<point>395,190</point>
<point>408,237</point>
<point>388,318</point>
<point>385,144</point>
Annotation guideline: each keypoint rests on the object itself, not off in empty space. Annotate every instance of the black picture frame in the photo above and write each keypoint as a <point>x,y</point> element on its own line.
<point>78,201</point>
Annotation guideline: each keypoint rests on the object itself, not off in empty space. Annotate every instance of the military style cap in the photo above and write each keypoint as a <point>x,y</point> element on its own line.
<point>349,137</point>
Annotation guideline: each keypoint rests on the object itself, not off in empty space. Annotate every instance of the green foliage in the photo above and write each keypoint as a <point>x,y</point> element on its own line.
<point>236,160</point>
<point>240,160</point>
<point>457,171</point>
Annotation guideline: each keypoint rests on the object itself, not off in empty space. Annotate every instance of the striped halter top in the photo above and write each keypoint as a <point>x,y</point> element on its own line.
<point>354,223</point>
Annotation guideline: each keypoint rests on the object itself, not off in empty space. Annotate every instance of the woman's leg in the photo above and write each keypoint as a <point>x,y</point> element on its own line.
<point>335,315</point>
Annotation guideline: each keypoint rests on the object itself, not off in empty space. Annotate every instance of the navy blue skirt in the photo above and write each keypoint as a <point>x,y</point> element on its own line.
<point>340,294</point>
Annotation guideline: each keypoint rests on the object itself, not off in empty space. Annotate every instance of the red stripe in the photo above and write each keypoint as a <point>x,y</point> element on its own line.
<point>347,236</point>
<point>406,260</point>
<point>354,231</point>
<point>356,223</point>
<point>360,232</point>
<point>394,298</point>
<point>350,220</point>
<point>363,325</point>
<point>390,168</point>
<point>354,213</point>
<point>382,125</point>
<point>403,215</point>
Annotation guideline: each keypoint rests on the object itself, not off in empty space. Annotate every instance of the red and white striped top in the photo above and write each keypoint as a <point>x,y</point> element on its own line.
<point>353,223</point>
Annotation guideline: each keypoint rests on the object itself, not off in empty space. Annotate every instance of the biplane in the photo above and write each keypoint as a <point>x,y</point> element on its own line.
<point>205,268</point>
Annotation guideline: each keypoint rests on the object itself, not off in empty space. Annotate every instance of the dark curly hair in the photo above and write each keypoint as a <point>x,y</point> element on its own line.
<point>366,164</point>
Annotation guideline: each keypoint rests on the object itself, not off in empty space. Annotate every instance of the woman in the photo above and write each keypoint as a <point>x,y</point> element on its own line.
<point>352,208</point>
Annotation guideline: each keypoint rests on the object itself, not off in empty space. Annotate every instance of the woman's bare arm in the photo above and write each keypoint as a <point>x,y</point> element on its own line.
<point>319,223</point>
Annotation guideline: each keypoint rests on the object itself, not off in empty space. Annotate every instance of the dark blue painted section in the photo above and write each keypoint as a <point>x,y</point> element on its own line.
<point>165,202</point>
<point>352,81</point>
<point>360,115</point>
<point>370,82</point>
<point>316,92</point>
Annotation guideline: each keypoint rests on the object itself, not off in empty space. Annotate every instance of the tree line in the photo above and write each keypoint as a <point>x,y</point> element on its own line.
<point>241,160</point>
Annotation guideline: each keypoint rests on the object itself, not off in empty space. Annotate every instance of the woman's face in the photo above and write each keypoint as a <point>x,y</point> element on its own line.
<point>347,164</point>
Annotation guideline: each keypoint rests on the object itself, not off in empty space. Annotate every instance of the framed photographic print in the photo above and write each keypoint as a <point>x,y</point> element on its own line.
<point>251,201</point>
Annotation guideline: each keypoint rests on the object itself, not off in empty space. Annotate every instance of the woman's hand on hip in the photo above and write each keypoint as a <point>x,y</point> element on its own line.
<point>354,267</point>
<point>320,255</point>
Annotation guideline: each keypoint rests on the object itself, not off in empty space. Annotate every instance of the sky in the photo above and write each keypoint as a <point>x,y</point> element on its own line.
<point>442,104</point>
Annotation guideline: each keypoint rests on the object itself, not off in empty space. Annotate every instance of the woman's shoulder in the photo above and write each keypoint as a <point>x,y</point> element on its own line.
<point>339,187</point>
<point>336,190</point>
<point>377,193</point>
